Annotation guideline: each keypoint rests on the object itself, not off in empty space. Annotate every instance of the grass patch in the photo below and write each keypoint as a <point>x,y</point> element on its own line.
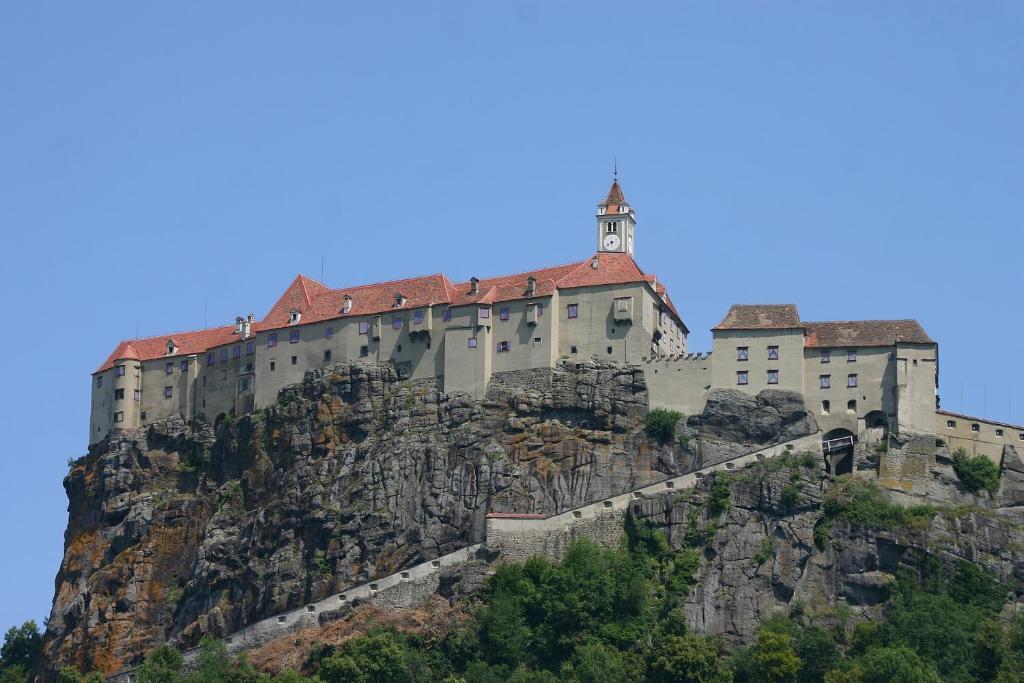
<point>766,552</point>
<point>862,504</point>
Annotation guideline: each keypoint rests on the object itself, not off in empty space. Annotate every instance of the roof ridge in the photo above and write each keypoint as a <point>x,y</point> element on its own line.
<point>389,282</point>
<point>528,272</point>
<point>171,334</point>
<point>866,320</point>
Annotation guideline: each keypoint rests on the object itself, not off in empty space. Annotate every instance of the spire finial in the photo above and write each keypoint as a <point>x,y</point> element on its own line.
<point>615,171</point>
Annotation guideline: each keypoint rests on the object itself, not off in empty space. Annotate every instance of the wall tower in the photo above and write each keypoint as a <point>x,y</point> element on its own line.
<point>616,224</point>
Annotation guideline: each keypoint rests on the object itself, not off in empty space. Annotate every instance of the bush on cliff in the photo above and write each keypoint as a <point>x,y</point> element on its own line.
<point>19,653</point>
<point>862,504</point>
<point>976,473</point>
<point>660,424</point>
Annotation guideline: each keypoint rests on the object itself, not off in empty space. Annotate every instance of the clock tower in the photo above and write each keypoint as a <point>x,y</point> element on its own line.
<point>616,224</point>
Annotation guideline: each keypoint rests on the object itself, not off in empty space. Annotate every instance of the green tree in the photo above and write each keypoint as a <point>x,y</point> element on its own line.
<point>162,665</point>
<point>661,424</point>
<point>378,657</point>
<point>599,663</point>
<point>895,665</point>
<point>20,651</point>
<point>215,665</point>
<point>775,657</point>
<point>976,473</point>
<point>690,658</point>
<point>70,674</point>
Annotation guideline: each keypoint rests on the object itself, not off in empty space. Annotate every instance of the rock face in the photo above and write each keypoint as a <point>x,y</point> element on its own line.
<point>189,530</point>
<point>761,555</point>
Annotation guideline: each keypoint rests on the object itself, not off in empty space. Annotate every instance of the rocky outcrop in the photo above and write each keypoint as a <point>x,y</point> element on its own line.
<point>189,529</point>
<point>762,556</point>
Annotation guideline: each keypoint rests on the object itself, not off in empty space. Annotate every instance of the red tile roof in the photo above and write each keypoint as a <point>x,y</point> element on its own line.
<point>760,317</point>
<point>615,196</point>
<point>316,302</point>
<point>981,419</point>
<point>865,333</point>
<point>197,341</point>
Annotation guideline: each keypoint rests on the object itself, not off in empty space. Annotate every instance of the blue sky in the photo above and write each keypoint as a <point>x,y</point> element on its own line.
<point>157,161</point>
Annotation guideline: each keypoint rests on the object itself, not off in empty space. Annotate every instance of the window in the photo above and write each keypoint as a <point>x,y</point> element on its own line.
<point>168,392</point>
<point>250,348</point>
<point>741,377</point>
<point>975,427</point>
<point>293,336</point>
<point>99,381</point>
<point>223,355</point>
<point>248,367</point>
<point>892,355</point>
<point>622,304</point>
<point>1021,436</point>
<point>418,317</point>
<point>851,405</point>
<point>327,355</point>
<point>272,339</point>
<point>119,416</point>
<point>826,407</point>
<point>211,358</point>
<point>143,414</point>
<point>399,348</point>
<point>295,360</point>
<point>236,351</point>
<point>999,432</point>
<point>826,356</point>
<point>329,332</point>
<point>609,350</point>
<point>184,366</point>
<point>503,313</point>
<point>773,353</point>
<point>472,343</point>
<point>741,353</point>
<point>537,341</point>
<point>119,370</point>
<point>243,384</point>
<point>540,309</point>
<point>396,322</point>
<point>137,395</point>
<point>504,346</point>
<point>572,349</point>
<point>951,424</point>
<point>447,315</point>
<point>273,365</point>
<point>484,313</point>
<point>851,380</point>
<point>826,381</point>
<point>572,310</point>
<point>364,327</point>
<point>364,351</point>
<point>118,394</point>
<point>773,377</point>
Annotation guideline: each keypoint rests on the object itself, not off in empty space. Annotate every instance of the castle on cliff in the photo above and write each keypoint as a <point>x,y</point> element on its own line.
<point>861,379</point>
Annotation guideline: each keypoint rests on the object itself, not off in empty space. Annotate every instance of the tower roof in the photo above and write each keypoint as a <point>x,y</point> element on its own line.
<point>615,196</point>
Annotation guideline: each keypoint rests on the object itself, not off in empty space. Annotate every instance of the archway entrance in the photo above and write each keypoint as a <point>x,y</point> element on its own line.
<point>837,447</point>
<point>876,426</point>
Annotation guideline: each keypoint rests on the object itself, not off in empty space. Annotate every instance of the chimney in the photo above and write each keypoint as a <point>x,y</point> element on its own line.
<point>238,324</point>
<point>247,326</point>
<point>474,285</point>
<point>531,286</point>
<point>347,306</point>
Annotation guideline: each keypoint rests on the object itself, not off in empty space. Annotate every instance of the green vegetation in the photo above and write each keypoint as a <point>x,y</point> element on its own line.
<point>976,473</point>
<point>860,503</point>
<point>321,564</point>
<point>766,552</point>
<point>790,495</point>
<point>718,495</point>
<point>20,652</point>
<point>660,424</point>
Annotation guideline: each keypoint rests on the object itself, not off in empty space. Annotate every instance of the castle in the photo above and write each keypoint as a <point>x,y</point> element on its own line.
<point>861,379</point>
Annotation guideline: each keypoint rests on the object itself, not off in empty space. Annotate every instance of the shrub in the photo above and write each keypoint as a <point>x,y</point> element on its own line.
<point>765,553</point>
<point>790,495</point>
<point>718,496</point>
<point>661,424</point>
<point>976,473</point>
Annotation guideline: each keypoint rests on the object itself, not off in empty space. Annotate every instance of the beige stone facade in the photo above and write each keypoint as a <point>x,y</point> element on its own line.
<point>859,378</point>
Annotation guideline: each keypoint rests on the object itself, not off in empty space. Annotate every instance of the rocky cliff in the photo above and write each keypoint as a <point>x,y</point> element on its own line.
<point>190,529</point>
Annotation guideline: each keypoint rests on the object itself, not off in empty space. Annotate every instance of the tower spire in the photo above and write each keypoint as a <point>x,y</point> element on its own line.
<point>615,220</point>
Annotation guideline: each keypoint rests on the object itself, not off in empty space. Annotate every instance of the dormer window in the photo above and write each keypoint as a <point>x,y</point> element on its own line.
<point>171,347</point>
<point>399,300</point>
<point>295,316</point>
<point>347,306</point>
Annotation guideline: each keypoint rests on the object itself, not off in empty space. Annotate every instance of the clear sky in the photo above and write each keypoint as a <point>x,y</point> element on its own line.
<point>162,165</point>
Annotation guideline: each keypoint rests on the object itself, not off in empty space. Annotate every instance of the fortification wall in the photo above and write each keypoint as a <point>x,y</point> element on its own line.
<point>679,382</point>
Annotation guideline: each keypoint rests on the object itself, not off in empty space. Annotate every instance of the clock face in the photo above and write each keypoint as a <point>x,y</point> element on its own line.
<point>611,242</point>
